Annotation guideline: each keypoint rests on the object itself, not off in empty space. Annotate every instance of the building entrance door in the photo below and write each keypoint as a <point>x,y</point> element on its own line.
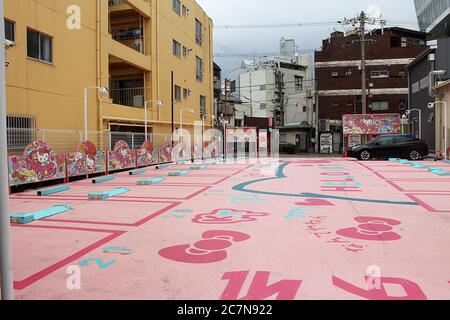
<point>301,143</point>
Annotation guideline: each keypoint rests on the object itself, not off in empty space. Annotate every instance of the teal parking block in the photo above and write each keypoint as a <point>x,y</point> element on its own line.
<point>435,169</point>
<point>137,172</point>
<point>442,173</point>
<point>394,159</point>
<point>200,167</point>
<point>53,190</point>
<point>142,182</point>
<point>161,166</point>
<point>21,218</point>
<point>178,173</point>
<point>107,194</point>
<point>103,179</point>
<point>24,218</point>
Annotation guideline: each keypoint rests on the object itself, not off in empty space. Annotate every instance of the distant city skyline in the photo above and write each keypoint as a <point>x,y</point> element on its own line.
<point>308,38</point>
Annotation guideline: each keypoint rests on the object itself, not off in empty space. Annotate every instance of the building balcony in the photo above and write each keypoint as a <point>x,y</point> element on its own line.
<point>127,27</point>
<point>130,97</point>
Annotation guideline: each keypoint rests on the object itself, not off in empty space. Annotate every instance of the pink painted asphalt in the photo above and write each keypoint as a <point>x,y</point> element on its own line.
<point>297,229</point>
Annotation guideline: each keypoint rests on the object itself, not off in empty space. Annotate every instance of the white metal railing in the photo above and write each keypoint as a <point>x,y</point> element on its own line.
<point>131,97</point>
<point>68,140</point>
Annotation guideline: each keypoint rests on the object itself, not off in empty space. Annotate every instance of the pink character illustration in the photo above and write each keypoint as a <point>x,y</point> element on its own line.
<point>212,248</point>
<point>89,149</point>
<point>372,229</point>
<point>40,160</point>
<point>123,153</point>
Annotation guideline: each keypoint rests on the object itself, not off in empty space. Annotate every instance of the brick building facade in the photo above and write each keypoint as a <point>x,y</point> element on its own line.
<point>338,75</point>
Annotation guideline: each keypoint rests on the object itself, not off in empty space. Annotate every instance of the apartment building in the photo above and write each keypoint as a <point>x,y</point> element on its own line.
<point>141,50</point>
<point>280,88</point>
<point>338,75</point>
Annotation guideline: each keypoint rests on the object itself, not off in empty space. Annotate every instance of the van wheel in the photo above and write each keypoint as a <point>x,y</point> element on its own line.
<point>415,155</point>
<point>364,155</point>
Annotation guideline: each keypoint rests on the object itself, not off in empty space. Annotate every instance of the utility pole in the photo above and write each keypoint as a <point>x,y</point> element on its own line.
<point>6,273</point>
<point>362,19</point>
<point>225,104</point>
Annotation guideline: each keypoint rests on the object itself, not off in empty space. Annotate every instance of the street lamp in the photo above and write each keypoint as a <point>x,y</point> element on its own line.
<point>181,118</point>
<point>432,105</point>
<point>408,113</point>
<point>103,91</point>
<point>159,104</point>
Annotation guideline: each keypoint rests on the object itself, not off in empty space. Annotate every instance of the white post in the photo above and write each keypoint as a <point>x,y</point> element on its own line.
<point>420,124</point>
<point>6,272</point>
<point>181,124</point>
<point>86,114</point>
<point>146,121</point>
<point>445,130</point>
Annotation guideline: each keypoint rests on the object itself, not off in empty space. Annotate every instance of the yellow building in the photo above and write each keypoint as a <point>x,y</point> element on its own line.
<point>140,50</point>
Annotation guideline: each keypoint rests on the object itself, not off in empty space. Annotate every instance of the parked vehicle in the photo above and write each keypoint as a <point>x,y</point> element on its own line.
<point>390,146</point>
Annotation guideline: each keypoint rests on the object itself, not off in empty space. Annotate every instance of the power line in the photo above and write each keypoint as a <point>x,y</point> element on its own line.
<point>373,21</point>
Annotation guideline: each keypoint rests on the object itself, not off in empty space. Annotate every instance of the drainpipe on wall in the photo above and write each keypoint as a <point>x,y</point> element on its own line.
<point>99,68</point>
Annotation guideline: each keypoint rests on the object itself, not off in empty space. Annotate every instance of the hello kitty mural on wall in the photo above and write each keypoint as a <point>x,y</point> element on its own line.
<point>38,163</point>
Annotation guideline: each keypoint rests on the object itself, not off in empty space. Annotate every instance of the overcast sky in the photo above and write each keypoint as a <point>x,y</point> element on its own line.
<point>256,12</point>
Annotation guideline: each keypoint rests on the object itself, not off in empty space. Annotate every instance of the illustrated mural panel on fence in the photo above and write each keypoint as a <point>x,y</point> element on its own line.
<point>86,160</point>
<point>165,152</point>
<point>147,155</point>
<point>38,163</point>
<point>122,157</point>
<point>371,123</point>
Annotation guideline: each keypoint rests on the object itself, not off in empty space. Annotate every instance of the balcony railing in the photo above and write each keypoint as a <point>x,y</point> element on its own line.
<point>131,97</point>
<point>132,38</point>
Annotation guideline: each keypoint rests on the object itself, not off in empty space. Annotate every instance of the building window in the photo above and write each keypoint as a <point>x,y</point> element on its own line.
<point>198,32</point>
<point>185,52</point>
<point>202,106</point>
<point>399,42</point>
<point>176,49</point>
<point>177,93</point>
<point>402,105</point>
<point>185,93</point>
<point>199,68</point>
<point>39,46</point>
<point>184,11</point>
<point>176,6</point>
<point>233,86</point>
<point>298,83</point>
<point>379,106</point>
<point>379,74</point>
<point>283,138</point>
<point>10,31</point>
<point>263,106</point>
<point>262,87</point>
<point>20,132</point>
<point>305,109</point>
